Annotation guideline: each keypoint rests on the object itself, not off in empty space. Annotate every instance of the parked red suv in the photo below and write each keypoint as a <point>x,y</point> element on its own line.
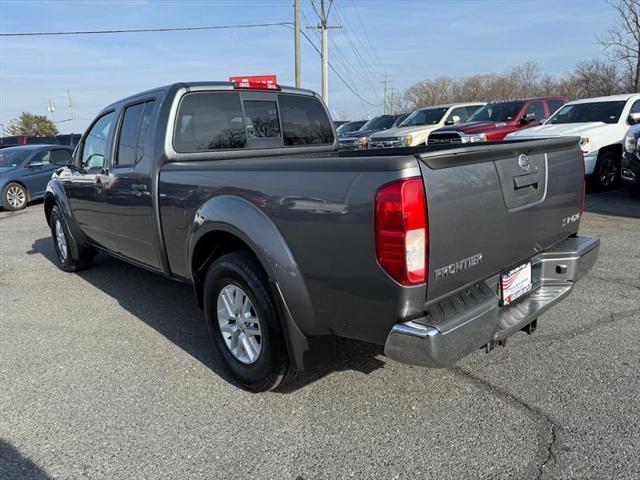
<point>495,120</point>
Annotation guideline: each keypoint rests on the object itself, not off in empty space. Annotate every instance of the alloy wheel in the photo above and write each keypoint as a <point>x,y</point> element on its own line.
<point>16,196</point>
<point>239,324</point>
<point>608,172</point>
<point>61,240</point>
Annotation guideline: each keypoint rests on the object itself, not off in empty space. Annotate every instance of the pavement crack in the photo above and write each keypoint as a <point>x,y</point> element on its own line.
<point>546,430</point>
<point>618,281</point>
<point>584,329</point>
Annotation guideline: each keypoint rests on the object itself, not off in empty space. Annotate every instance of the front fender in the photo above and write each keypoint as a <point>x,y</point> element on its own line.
<point>55,193</point>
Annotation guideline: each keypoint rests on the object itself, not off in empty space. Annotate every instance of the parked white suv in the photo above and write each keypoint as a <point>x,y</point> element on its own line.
<point>415,129</point>
<point>601,123</point>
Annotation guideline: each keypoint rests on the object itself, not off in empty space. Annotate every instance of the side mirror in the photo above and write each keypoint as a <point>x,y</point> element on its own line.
<point>528,118</point>
<point>633,118</point>
<point>94,162</point>
<point>61,158</point>
<point>453,120</point>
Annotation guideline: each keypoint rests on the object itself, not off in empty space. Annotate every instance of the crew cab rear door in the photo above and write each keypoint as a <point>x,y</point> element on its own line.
<point>492,208</point>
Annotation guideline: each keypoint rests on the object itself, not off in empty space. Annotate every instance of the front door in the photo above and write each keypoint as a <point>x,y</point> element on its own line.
<point>39,171</point>
<point>128,191</point>
<point>84,183</point>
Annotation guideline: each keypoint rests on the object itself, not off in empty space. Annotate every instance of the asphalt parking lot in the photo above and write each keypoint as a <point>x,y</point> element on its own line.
<point>108,374</point>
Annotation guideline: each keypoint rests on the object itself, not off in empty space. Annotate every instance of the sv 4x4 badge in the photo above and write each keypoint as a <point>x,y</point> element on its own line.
<point>572,219</point>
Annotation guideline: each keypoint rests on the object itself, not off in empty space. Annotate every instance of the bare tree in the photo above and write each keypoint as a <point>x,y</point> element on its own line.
<point>623,39</point>
<point>596,78</point>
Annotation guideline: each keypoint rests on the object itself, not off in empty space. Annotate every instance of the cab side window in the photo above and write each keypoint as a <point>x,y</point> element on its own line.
<point>40,158</point>
<point>554,105</point>
<point>537,108</point>
<point>94,150</point>
<point>133,133</point>
<point>460,112</point>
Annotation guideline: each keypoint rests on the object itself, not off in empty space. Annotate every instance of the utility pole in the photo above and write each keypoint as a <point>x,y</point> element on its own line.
<point>323,15</point>
<point>296,41</point>
<point>385,103</point>
<point>51,107</point>
<point>73,118</point>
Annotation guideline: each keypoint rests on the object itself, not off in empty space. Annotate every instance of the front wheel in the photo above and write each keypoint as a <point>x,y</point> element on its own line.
<point>15,196</point>
<point>607,172</point>
<point>67,259</point>
<point>243,323</point>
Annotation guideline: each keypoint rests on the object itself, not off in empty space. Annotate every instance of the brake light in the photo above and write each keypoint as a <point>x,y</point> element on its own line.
<point>260,82</point>
<point>402,233</point>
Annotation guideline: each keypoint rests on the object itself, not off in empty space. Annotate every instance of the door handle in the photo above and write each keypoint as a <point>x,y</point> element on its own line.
<point>138,189</point>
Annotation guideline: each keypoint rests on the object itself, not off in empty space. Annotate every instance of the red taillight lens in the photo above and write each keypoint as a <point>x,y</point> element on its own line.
<point>402,234</point>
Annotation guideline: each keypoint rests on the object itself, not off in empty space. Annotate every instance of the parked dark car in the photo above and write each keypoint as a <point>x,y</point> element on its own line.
<point>359,140</point>
<point>15,140</point>
<point>630,167</point>
<point>25,172</point>
<point>241,192</point>
<point>349,127</point>
<point>338,123</point>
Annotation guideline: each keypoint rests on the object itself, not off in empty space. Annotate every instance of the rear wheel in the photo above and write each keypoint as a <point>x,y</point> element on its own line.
<point>243,323</point>
<point>607,171</point>
<point>67,260</point>
<point>14,196</point>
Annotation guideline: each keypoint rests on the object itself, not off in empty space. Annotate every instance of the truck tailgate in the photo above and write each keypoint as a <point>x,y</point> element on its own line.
<point>493,207</point>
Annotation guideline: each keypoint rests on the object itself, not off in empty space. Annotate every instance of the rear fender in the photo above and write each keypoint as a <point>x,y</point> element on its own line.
<point>241,218</point>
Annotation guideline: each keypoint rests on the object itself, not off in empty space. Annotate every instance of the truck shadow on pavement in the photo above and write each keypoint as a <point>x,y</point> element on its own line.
<point>13,465</point>
<point>170,308</point>
<point>618,203</point>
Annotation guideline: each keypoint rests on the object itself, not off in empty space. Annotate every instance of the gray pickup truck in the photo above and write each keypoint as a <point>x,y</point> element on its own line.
<point>239,190</point>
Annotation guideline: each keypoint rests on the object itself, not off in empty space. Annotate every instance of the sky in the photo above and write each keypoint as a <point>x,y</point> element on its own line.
<point>409,40</point>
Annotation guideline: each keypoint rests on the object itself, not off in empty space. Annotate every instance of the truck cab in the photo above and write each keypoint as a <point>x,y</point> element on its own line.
<point>495,120</point>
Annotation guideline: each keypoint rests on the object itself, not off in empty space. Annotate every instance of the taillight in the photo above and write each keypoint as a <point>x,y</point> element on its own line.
<point>402,233</point>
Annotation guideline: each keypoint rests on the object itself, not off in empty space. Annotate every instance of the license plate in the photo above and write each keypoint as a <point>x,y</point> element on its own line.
<point>515,284</point>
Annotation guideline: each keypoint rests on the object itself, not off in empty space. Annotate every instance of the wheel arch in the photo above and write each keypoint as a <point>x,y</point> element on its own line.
<point>227,223</point>
<point>614,147</point>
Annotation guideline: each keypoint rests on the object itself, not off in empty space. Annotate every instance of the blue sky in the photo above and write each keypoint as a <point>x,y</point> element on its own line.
<point>408,39</point>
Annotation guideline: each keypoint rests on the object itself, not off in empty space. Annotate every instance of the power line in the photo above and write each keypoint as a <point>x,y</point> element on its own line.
<point>146,30</point>
<point>304,34</point>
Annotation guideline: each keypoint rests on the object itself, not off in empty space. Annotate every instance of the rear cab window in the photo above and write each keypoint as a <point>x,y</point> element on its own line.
<point>229,120</point>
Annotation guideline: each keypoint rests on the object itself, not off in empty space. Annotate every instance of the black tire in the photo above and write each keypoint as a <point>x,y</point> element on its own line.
<point>271,368</point>
<point>67,260</point>
<point>606,175</point>
<point>15,196</point>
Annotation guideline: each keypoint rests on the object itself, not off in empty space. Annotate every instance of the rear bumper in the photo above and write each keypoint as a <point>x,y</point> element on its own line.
<point>466,321</point>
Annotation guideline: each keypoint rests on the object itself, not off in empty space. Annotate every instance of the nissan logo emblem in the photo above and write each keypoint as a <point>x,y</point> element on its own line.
<point>523,161</point>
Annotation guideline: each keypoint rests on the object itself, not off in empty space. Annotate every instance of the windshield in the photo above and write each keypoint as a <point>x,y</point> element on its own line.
<point>12,157</point>
<point>497,112</point>
<point>350,126</point>
<point>378,123</point>
<point>605,112</point>
<point>429,116</point>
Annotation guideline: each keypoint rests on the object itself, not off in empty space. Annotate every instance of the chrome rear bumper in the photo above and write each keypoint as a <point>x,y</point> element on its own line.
<point>467,320</point>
